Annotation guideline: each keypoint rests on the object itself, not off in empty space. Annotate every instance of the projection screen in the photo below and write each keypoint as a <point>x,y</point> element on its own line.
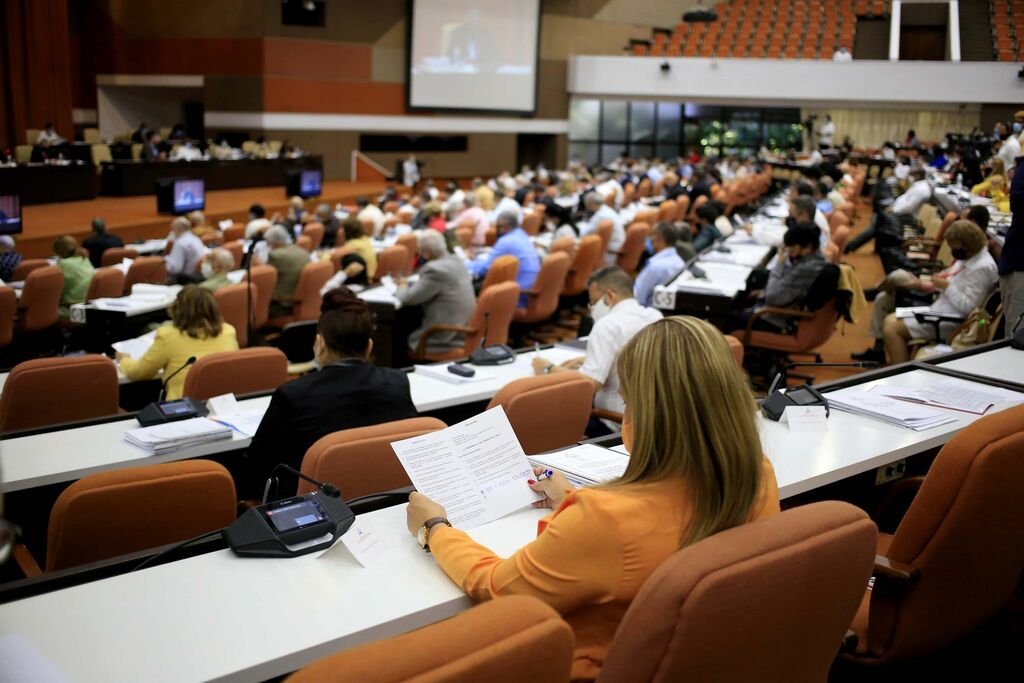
<point>473,55</point>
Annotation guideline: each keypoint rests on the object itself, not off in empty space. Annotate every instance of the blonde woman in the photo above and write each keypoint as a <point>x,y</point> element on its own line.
<point>695,469</point>
<point>994,186</point>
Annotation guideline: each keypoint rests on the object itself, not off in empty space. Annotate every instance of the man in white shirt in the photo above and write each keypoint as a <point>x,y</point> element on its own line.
<point>370,212</point>
<point>617,318</point>
<point>826,133</point>
<point>1009,151</point>
<point>908,204</point>
<point>183,261</point>
<point>599,211</point>
<point>842,55</point>
<point>508,203</point>
<point>410,171</point>
<point>49,137</point>
<point>258,222</point>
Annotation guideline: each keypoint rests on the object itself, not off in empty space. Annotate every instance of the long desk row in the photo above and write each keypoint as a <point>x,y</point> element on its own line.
<point>219,617</point>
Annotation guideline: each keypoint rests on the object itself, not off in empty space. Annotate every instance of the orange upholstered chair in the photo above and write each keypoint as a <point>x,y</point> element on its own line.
<point>667,210</point>
<point>8,307</point>
<point>106,283</point>
<point>338,254</point>
<point>766,601</point>
<point>304,241</point>
<point>586,260</point>
<point>604,230</point>
<point>629,255</point>
<point>48,391</point>
<point>503,269</point>
<point>682,208</point>
<point>840,236</point>
<point>958,554</point>
<point>22,270</point>
<point>736,347</point>
<point>245,371</point>
<point>392,261</point>
<point>547,411</point>
<point>40,299</point>
<point>115,255</point>
<point>148,269</point>
<point>314,230</point>
<point>234,233</point>
<point>307,297</point>
<point>234,302</point>
<point>411,243</point>
<point>532,222</point>
<point>566,244</point>
<point>265,279</point>
<point>237,249</point>
<point>542,299</point>
<point>517,638</point>
<point>495,305</point>
<point>361,461</point>
<point>128,510</point>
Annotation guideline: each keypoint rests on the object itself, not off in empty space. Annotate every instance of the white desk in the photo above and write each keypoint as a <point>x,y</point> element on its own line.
<point>1005,364</point>
<point>220,617</point>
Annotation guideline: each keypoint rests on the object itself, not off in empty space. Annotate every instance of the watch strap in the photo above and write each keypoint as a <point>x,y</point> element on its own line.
<point>430,524</point>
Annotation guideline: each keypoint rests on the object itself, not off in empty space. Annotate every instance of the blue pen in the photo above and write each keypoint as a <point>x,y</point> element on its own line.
<point>546,474</point>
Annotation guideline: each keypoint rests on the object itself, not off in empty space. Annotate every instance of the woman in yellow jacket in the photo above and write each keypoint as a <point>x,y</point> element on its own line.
<point>695,469</point>
<point>994,186</point>
<point>196,329</point>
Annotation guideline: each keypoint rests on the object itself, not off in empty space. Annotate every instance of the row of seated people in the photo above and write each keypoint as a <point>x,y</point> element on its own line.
<point>608,558</point>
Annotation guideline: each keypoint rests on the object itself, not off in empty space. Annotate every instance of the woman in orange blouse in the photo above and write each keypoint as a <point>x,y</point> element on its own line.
<point>695,469</point>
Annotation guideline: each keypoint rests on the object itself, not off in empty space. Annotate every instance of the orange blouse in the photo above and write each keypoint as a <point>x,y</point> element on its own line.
<point>590,558</point>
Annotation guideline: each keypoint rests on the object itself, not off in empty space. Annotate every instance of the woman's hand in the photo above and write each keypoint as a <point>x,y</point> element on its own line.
<point>554,488</point>
<point>539,364</point>
<point>420,510</point>
<point>574,363</point>
<point>118,355</point>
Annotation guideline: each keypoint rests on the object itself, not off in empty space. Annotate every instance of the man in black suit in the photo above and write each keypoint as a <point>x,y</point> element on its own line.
<point>348,391</point>
<point>151,149</point>
<point>100,241</point>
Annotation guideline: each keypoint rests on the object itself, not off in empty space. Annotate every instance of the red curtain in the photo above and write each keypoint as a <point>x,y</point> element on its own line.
<point>35,68</point>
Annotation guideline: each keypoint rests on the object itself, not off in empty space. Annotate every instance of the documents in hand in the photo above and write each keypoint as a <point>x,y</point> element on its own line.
<point>586,464</point>
<point>877,405</point>
<point>135,348</point>
<point>476,469</point>
<point>441,372</point>
<point>176,436</point>
<point>969,397</point>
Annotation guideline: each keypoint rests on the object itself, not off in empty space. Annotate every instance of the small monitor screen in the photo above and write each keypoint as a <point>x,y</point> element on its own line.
<point>176,408</point>
<point>802,397</point>
<point>309,184</point>
<point>189,195</point>
<point>10,214</point>
<point>296,515</point>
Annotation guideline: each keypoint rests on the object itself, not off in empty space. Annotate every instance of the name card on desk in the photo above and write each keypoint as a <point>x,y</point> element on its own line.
<point>805,418</point>
<point>365,545</point>
<point>225,404</point>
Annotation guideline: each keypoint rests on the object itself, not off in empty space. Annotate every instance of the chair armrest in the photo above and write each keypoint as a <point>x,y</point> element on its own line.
<point>923,317</point>
<point>421,347</point>
<point>609,415</point>
<point>894,573</point>
<point>301,368</point>
<point>28,565</point>
<point>785,312</point>
<point>898,489</point>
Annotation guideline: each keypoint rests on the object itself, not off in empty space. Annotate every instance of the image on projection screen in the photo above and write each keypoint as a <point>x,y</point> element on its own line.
<point>474,54</point>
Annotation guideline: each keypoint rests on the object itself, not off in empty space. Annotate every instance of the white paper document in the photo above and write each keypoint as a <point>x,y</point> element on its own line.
<point>20,661</point>
<point>175,436</point>
<point>587,464</point>
<point>440,372</point>
<point>135,348</point>
<point>244,422</point>
<point>363,543</point>
<point>476,469</point>
<point>969,397</point>
<point>805,418</point>
<point>880,407</point>
<point>909,311</point>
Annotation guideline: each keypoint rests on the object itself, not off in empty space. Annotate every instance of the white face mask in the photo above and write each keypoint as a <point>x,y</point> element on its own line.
<point>206,269</point>
<point>599,310</point>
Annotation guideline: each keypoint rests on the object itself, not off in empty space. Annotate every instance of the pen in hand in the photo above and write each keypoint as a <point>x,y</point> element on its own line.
<point>546,474</point>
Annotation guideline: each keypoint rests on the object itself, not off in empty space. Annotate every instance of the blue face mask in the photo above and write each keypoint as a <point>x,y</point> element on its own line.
<point>650,246</point>
<point>1018,127</point>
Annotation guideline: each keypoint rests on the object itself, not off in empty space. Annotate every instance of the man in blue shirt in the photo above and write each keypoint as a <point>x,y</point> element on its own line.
<point>512,241</point>
<point>660,268</point>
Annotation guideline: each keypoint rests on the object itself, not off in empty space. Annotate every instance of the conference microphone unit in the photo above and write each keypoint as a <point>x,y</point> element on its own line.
<point>171,411</point>
<point>776,402</point>
<point>327,488</point>
<point>497,354</point>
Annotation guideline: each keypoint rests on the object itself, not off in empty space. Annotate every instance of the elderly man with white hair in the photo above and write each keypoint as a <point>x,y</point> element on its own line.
<point>216,266</point>
<point>599,211</point>
<point>289,260</point>
<point>444,290</point>
<point>183,261</point>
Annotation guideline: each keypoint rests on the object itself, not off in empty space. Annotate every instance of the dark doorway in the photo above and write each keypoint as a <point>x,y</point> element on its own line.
<point>923,43</point>
<point>534,149</point>
<point>194,124</point>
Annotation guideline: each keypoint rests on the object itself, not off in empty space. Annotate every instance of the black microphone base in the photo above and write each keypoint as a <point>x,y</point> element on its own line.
<point>498,354</point>
<point>185,409</point>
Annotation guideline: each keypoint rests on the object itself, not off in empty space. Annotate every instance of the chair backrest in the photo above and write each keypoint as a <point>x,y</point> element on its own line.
<point>496,305</point>
<point>106,283</point>
<point>392,261</point>
<point>91,136</point>
<point>39,305</point>
<point>234,233</point>
<point>115,255</point>
<point>304,241</point>
<point>497,642</point>
<point>306,304</point>
<point>963,534</point>
<point>766,601</point>
<point>697,203</point>
<point>314,230</point>
<point>212,239</point>
<point>411,243</point>
<point>265,279</point>
<point>586,260</point>
<point>361,461</point>
<point>8,307</point>
<point>736,348</point>
<point>237,249</point>
<point>244,371</point>
<point>22,270</point>
<point>146,269</point>
<point>840,236</point>
<point>234,303</point>
<point>633,247</point>
<point>532,222</point>
<point>566,244</point>
<point>547,411</point>
<point>338,254</point>
<point>667,210</point>
<point>127,510</point>
<point>604,231</point>
<point>682,208</point>
<point>548,286</point>
<point>48,391</point>
<point>503,269</point>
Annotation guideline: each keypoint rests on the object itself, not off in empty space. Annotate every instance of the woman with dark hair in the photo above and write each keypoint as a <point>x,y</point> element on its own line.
<point>348,391</point>
<point>196,329</point>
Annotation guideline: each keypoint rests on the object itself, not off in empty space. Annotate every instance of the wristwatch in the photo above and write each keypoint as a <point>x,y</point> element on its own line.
<point>421,535</point>
<point>547,368</point>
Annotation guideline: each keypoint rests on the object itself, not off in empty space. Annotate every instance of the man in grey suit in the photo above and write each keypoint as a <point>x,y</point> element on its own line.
<point>444,290</point>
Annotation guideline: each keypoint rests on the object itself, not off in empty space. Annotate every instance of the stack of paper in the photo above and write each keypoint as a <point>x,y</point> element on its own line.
<point>880,407</point>
<point>969,397</point>
<point>244,422</point>
<point>586,464</point>
<point>176,436</point>
<point>135,348</point>
<point>441,372</point>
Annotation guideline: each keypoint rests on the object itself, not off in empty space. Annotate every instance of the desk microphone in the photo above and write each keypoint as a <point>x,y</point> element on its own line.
<point>499,354</point>
<point>326,488</point>
<point>163,388</point>
<point>776,402</point>
<point>182,409</point>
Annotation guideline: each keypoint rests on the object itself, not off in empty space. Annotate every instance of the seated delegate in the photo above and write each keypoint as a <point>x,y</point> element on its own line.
<point>196,329</point>
<point>288,260</point>
<point>216,266</point>
<point>662,266</point>
<point>683,393</point>
<point>77,272</point>
<point>348,391</point>
<point>100,241</point>
<point>512,241</point>
<point>183,261</point>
